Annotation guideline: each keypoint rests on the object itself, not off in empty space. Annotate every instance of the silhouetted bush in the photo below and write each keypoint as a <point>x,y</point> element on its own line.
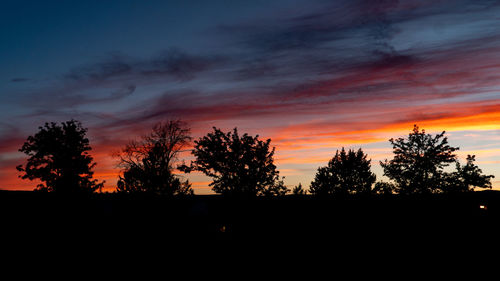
<point>385,188</point>
<point>346,173</point>
<point>58,156</point>
<point>299,190</point>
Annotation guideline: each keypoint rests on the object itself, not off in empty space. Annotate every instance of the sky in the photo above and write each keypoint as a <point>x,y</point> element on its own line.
<point>312,75</point>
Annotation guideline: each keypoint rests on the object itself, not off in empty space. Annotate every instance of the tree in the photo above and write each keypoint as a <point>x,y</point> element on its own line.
<point>471,176</point>
<point>466,178</point>
<point>241,166</point>
<point>346,173</point>
<point>148,164</point>
<point>299,190</point>
<point>58,156</point>
<point>418,163</point>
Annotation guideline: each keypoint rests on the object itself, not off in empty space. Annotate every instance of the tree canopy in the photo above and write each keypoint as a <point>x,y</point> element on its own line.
<point>58,156</point>
<point>346,173</point>
<point>148,164</point>
<point>419,160</point>
<point>238,165</point>
<point>466,177</point>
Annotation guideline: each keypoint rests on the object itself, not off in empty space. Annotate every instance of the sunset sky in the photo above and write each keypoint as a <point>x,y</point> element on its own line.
<point>312,75</point>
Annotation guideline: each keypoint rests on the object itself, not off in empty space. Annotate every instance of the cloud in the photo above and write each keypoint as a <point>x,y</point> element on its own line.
<point>111,67</point>
<point>336,54</point>
<point>19,79</point>
<point>173,63</point>
<point>179,64</point>
<point>350,34</point>
<point>115,78</point>
<point>121,93</point>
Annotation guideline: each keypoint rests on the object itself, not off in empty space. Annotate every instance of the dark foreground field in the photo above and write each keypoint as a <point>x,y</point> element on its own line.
<point>119,225</point>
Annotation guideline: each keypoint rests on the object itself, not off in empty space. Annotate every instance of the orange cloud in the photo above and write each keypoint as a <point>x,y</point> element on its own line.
<point>455,117</point>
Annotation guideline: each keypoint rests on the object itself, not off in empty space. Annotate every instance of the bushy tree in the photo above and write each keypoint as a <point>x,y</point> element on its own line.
<point>346,173</point>
<point>58,156</point>
<point>241,166</point>
<point>466,178</point>
<point>418,163</point>
<point>148,164</point>
<point>471,176</point>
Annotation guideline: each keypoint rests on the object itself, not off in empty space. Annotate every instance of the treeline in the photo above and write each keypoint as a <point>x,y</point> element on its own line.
<point>241,165</point>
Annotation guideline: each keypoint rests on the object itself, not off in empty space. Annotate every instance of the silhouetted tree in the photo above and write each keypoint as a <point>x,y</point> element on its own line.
<point>471,176</point>
<point>417,166</point>
<point>58,156</point>
<point>299,190</point>
<point>346,173</point>
<point>148,164</point>
<point>466,177</point>
<point>241,166</point>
